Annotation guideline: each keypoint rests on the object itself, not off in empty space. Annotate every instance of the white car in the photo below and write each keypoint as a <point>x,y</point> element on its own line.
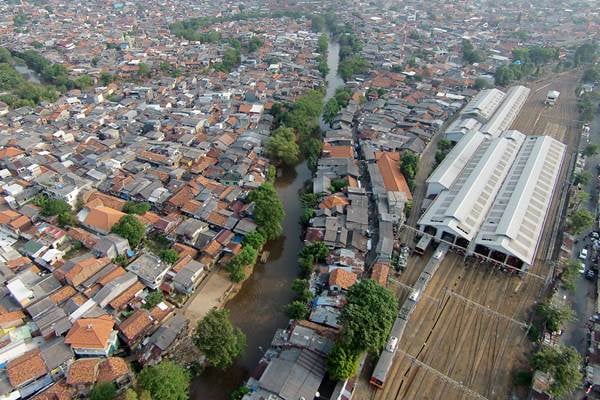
<point>581,268</point>
<point>583,254</point>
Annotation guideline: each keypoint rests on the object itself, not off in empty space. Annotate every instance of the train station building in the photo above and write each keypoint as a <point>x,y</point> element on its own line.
<point>492,194</point>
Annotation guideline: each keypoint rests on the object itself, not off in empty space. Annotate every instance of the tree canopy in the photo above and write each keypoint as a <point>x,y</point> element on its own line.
<point>235,266</point>
<point>134,207</point>
<point>470,54</point>
<point>103,391</point>
<point>555,314</point>
<point>268,210</point>
<point>166,381</point>
<point>218,339</point>
<point>342,363</point>
<point>368,316</point>
<point>130,228</point>
<point>580,221</point>
<point>282,147</point>
<point>563,364</point>
<point>169,256</point>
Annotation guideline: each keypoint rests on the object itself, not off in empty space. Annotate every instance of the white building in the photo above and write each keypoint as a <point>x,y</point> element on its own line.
<point>493,194</point>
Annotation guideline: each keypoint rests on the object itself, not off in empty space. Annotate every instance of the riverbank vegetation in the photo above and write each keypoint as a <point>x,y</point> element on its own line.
<point>366,322</point>
<point>217,338</point>
<point>336,104</point>
<point>322,46</point>
<point>302,117</point>
<point>19,92</point>
<point>166,381</point>
<point>268,211</point>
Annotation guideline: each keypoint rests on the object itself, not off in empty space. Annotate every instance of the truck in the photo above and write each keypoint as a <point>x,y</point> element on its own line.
<point>551,97</point>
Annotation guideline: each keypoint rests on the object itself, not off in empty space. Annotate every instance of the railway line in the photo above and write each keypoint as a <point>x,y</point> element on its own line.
<point>469,331</point>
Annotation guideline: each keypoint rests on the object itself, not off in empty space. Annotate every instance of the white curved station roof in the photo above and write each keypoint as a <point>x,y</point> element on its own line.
<point>449,169</point>
<point>462,208</point>
<point>516,219</point>
<point>505,115</point>
<point>484,104</point>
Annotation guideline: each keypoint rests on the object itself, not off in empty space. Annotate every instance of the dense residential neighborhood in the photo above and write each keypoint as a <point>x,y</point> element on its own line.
<point>299,200</point>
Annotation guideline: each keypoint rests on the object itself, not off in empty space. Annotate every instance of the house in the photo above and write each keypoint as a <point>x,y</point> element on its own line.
<point>86,372</point>
<point>113,289</point>
<point>135,327</point>
<point>111,246</point>
<point>79,269</point>
<point>92,336</point>
<point>66,187</point>
<point>99,219</point>
<point>150,269</point>
<point>188,277</point>
<point>26,369</point>
<point>163,340</point>
<point>340,279</point>
<point>57,356</point>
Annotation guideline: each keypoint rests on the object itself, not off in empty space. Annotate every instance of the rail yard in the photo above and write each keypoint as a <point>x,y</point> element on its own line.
<point>468,331</point>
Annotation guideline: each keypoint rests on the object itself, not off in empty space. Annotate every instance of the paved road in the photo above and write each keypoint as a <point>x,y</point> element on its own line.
<point>583,300</point>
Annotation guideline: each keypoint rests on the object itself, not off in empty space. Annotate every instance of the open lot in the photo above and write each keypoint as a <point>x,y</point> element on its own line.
<point>468,331</point>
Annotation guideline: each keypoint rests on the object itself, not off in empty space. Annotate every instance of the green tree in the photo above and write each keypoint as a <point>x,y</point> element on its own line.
<point>130,394</point>
<point>66,219</point>
<point>121,260</point>
<point>144,70</point>
<point>368,316</point>
<point>268,210</point>
<point>166,381</point>
<point>580,221</point>
<point>322,44</point>
<point>255,239</point>
<point>332,108</point>
<point>582,178</point>
<point>297,310</point>
<point>103,391</point>
<point>134,207</point>
<point>169,256</point>
<point>239,393</point>
<point>592,74</point>
<point>106,78</point>
<point>470,55</point>
<point>130,228</point>
<point>317,23</point>
<point>591,150</point>
<point>555,314</point>
<point>153,299</point>
<point>83,82</point>
<point>570,273</point>
<point>51,206</point>
<point>586,53</point>
<point>409,163</point>
<point>218,339</point>
<point>342,363</point>
<point>563,364</point>
<point>481,83</point>
<point>282,146</point>
<point>247,256</point>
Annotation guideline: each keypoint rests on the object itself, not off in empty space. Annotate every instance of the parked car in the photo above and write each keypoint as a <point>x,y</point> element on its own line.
<point>589,274</point>
<point>581,268</point>
<point>583,253</point>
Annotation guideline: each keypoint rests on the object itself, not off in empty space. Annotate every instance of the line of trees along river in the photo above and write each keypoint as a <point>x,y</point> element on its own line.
<point>258,309</point>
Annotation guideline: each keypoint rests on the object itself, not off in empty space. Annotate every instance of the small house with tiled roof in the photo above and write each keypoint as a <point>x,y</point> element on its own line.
<point>92,336</point>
